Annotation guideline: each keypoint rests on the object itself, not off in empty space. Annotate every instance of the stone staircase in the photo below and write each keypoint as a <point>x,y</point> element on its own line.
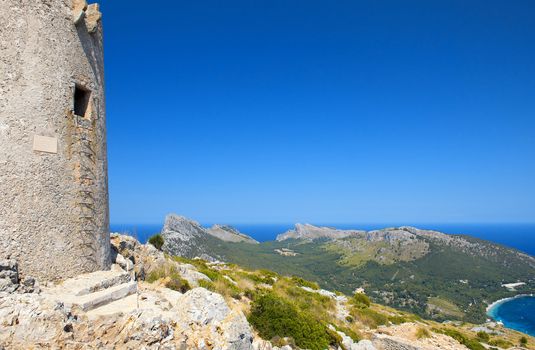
<point>93,290</point>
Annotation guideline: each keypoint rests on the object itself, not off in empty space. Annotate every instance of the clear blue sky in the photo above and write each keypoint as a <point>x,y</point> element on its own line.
<point>343,111</point>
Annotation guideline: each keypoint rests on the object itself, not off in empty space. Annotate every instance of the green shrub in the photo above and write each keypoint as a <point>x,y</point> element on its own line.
<point>273,317</point>
<point>472,344</point>
<point>504,344</point>
<point>523,341</point>
<point>207,284</point>
<point>397,319</point>
<point>370,318</point>
<point>178,284</point>
<point>304,283</point>
<point>361,300</point>
<point>181,259</point>
<point>155,275</point>
<point>483,336</point>
<point>422,333</point>
<point>228,288</point>
<point>175,280</point>
<point>350,333</point>
<point>256,277</point>
<point>211,274</point>
<point>157,241</point>
<point>221,286</point>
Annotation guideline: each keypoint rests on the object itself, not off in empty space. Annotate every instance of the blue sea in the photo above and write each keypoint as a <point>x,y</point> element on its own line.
<point>516,313</point>
<point>519,236</point>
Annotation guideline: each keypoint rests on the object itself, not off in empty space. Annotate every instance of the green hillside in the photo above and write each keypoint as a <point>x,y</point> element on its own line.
<point>426,272</point>
<point>466,280</point>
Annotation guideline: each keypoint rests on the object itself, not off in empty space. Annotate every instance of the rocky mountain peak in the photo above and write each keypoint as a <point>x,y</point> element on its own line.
<point>183,226</point>
<point>390,234</point>
<point>311,232</point>
<point>185,237</point>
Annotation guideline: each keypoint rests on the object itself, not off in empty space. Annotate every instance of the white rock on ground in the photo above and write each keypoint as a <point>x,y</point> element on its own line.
<point>198,319</point>
<point>349,344</point>
<point>208,314</point>
<point>99,311</point>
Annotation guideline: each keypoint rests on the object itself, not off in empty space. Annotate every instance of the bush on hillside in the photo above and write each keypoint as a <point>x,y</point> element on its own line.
<point>304,283</point>
<point>472,344</point>
<point>179,284</point>
<point>156,241</point>
<point>361,300</point>
<point>369,317</point>
<point>502,343</point>
<point>422,333</point>
<point>171,277</point>
<point>273,317</point>
<point>483,336</point>
<point>523,341</point>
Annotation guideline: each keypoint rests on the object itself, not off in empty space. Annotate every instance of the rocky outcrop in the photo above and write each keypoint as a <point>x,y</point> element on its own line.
<point>10,281</point>
<point>187,238</point>
<point>102,310</point>
<point>229,234</point>
<point>196,320</point>
<point>213,323</point>
<point>311,232</point>
<point>9,276</point>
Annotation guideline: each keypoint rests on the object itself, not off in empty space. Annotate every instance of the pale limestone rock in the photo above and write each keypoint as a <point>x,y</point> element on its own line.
<point>209,315</point>
<point>198,320</point>
<point>93,17</point>
<point>9,276</point>
<point>261,344</point>
<point>126,264</point>
<point>350,344</point>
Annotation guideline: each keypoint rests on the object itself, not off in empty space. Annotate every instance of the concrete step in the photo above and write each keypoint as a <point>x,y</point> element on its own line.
<point>102,297</point>
<point>95,281</point>
<point>117,307</point>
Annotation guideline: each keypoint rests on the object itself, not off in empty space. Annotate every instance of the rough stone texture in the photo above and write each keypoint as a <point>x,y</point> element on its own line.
<point>390,343</point>
<point>349,344</point>
<point>147,259</point>
<point>158,319</point>
<point>54,206</point>
<point>9,276</point>
<point>307,231</point>
<point>208,315</point>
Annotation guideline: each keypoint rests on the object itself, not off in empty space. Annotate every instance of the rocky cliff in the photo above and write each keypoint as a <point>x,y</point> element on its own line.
<point>311,232</point>
<point>187,238</point>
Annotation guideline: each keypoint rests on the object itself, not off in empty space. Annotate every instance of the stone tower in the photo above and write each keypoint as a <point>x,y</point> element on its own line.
<point>54,216</point>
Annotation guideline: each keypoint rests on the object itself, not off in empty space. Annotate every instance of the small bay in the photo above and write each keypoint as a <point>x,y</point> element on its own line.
<point>516,313</point>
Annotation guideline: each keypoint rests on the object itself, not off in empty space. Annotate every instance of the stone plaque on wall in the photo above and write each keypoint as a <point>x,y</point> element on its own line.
<point>45,144</point>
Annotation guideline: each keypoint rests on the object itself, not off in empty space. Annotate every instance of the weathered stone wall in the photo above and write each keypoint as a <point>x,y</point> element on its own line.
<point>54,218</point>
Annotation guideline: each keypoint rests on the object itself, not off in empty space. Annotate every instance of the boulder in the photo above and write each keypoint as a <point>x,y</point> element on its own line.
<point>210,317</point>
<point>9,275</point>
<point>126,264</point>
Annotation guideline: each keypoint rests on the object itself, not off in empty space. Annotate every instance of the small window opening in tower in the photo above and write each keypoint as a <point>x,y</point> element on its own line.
<point>81,101</point>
